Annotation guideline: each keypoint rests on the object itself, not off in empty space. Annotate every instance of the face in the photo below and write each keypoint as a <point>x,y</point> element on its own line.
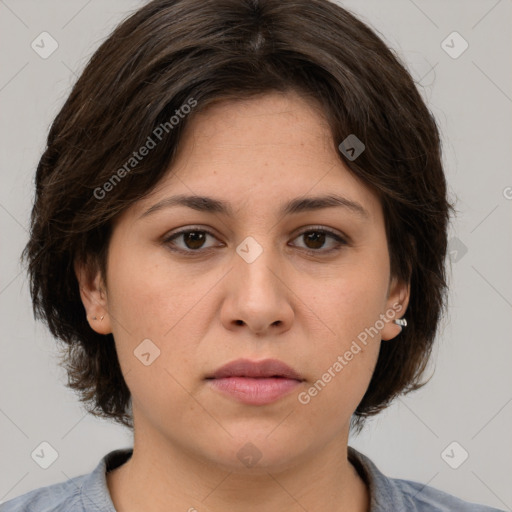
<point>191,289</point>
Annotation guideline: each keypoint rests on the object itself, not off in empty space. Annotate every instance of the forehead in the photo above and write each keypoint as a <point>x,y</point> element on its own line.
<point>270,150</point>
<point>222,115</point>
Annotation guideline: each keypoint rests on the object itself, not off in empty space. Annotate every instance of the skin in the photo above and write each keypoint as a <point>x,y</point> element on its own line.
<point>204,311</point>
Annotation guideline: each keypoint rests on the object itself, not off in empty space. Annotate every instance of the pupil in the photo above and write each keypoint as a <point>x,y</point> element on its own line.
<point>316,237</point>
<point>197,239</point>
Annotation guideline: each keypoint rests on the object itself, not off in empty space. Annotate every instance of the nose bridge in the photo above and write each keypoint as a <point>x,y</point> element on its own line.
<point>256,261</point>
<point>260,299</point>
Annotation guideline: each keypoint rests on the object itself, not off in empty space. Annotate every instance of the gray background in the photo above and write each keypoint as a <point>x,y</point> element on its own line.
<point>468,400</point>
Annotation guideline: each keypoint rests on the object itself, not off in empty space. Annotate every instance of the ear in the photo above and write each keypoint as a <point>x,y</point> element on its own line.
<point>94,296</point>
<point>396,305</point>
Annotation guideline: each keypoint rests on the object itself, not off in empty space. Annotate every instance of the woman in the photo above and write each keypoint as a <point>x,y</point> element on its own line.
<point>240,231</point>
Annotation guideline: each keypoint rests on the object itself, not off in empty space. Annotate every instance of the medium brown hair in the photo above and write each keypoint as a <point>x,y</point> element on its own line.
<point>170,51</point>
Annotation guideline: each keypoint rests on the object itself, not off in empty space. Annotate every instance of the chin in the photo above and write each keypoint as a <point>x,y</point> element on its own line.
<point>257,452</point>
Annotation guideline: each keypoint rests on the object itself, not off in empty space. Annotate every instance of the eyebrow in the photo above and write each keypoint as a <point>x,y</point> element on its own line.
<point>298,205</point>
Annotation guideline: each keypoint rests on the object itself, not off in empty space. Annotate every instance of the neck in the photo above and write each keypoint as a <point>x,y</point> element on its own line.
<point>163,477</point>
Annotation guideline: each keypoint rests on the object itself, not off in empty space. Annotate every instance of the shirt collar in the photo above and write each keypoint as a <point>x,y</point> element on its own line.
<point>384,493</point>
<point>94,492</point>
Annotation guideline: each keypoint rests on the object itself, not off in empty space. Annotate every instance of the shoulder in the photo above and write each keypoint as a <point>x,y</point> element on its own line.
<point>84,493</point>
<point>405,495</point>
<point>422,498</point>
<point>60,497</point>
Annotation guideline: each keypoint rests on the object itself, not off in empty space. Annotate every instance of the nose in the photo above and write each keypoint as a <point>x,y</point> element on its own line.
<point>258,296</point>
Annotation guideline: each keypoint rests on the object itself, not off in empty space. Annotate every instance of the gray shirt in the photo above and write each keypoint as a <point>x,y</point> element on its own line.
<point>89,493</point>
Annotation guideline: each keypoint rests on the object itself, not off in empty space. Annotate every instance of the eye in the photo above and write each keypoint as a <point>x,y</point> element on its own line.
<point>316,237</point>
<point>193,240</point>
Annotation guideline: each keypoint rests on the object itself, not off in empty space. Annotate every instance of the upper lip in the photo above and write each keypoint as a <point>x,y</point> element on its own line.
<point>247,368</point>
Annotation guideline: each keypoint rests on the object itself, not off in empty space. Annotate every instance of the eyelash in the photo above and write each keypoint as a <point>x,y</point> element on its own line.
<point>340,241</point>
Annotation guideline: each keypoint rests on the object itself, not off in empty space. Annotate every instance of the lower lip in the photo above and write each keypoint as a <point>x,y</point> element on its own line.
<point>254,391</point>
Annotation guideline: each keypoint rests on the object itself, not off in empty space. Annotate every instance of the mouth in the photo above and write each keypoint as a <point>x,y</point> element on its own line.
<point>255,382</point>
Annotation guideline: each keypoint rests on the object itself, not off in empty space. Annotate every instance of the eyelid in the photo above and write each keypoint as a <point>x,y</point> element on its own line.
<point>341,239</point>
<point>323,229</point>
<point>175,234</point>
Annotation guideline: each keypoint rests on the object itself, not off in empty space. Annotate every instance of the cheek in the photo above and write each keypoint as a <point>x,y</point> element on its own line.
<point>153,300</point>
<point>148,303</point>
<point>343,359</point>
<point>148,295</point>
<point>351,301</point>
<point>349,341</point>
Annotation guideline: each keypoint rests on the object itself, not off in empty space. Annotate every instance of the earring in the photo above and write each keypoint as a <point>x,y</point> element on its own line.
<point>96,318</point>
<point>402,322</point>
